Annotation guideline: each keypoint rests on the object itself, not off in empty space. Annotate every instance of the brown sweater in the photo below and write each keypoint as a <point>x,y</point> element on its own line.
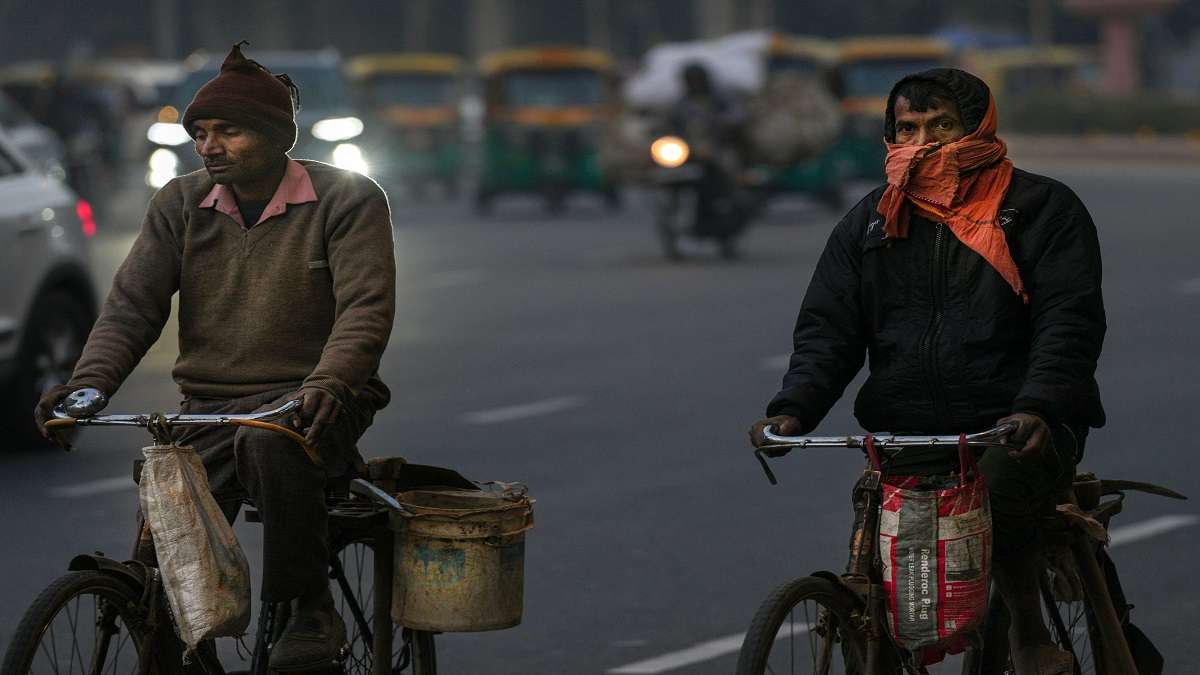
<point>303,299</point>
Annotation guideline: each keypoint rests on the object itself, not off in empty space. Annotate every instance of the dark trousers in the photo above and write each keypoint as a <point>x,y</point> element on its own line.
<point>276,475</point>
<point>1018,491</point>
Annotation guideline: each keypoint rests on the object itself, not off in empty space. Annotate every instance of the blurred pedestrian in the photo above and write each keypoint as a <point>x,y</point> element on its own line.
<point>974,287</point>
<point>286,283</point>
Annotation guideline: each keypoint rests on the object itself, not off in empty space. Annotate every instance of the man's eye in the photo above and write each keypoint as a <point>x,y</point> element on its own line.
<point>945,125</point>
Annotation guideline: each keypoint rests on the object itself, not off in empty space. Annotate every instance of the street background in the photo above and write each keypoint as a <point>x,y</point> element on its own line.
<point>563,351</point>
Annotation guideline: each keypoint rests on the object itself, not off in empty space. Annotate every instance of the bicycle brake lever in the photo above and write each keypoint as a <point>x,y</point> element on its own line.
<point>760,456</point>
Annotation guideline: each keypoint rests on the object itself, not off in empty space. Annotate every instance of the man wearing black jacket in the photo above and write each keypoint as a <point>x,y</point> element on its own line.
<point>974,288</point>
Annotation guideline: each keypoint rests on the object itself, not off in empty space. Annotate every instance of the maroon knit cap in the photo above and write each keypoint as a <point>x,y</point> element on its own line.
<point>247,93</point>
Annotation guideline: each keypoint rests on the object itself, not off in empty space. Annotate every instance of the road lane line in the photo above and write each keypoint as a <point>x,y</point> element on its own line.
<point>524,410</point>
<point>1189,287</point>
<point>95,487</point>
<point>1127,534</point>
<point>775,362</point>
<point>705,651</point>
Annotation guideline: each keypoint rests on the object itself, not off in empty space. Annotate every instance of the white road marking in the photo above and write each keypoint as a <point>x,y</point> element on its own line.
<point>1127,534</point>
<point>524,410</point>
<point>95,487</point>
<point>775,362</point>
<point>705,651</point>
<point>1189,287</point>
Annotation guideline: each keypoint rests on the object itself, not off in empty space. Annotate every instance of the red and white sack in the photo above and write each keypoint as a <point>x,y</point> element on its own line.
<point>935,542</point>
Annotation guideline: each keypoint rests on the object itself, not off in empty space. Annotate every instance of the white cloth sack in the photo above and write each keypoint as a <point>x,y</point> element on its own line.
<point>204,572</point>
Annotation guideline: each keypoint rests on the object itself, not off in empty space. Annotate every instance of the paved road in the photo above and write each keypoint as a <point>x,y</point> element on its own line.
<point>564,353</point>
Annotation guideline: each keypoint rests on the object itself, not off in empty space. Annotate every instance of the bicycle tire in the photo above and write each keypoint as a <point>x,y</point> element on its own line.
<point>356,555</point>
<point>38,635</point>
<point>766,630</point>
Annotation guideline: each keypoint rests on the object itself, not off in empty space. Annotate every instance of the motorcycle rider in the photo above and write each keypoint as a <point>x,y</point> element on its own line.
<point>712,125</point>
<point>286,281</point>
<point>975,289</point>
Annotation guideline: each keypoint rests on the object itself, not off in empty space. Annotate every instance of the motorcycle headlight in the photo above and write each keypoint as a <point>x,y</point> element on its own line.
<point>350,157</point>
<point>337,129</point>
<point>163,133</point>
<point>669,152</point>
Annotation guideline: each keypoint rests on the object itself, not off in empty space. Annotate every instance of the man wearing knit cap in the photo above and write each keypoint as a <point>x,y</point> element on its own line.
<point>974,287</point>
<point>286,283</point>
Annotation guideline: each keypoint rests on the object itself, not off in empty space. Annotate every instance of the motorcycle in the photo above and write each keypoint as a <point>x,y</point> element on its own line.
<point>699,197</point>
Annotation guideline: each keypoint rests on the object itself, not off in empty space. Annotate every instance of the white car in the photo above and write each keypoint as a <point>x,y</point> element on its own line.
<point>47,299</point>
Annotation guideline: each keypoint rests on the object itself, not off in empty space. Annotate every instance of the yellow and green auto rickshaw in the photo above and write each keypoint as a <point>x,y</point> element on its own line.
<point>867,69</point>
<point>412,101</point>
<point>1018,71</point>
<point>813,57</point>
<point>545,110</point>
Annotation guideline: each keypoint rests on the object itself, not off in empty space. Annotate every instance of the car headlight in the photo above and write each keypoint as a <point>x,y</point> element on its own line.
<point>349,156</point>
<point>669,151</point>
<point>337,129</point>
<point>164,165</point>
<point>162,133</point>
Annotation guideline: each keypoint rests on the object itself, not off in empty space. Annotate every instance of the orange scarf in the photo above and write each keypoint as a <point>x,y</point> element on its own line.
<point>961,184</point>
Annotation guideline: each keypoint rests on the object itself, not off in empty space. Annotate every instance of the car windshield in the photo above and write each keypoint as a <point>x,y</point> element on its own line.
<point>410,89</point>
<point>876,77</point>
<point>553,88</point>
<point>322,87</point>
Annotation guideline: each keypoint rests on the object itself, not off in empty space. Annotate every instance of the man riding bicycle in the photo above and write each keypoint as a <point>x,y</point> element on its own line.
<point>286,282</point>
<point>974,287</point>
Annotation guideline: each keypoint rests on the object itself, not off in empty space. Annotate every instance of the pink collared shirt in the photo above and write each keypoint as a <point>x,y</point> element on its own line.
<point>295,188</point>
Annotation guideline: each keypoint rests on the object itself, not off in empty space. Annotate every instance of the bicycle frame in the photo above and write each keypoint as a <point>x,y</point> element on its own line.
<point>377,629</point>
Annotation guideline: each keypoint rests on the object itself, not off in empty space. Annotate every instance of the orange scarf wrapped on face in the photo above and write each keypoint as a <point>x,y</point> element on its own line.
<point>961,184</point>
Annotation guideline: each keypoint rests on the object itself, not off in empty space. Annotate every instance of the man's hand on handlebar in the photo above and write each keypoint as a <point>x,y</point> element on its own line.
<point>44,412</point>
<point>785,425</point>
<point>318,410</point>
<point>1032,433</point>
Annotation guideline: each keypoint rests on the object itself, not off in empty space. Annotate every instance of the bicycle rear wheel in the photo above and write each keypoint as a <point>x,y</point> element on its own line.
<point>804,626</point>
<point>413,651</point>
<point>83,622</point>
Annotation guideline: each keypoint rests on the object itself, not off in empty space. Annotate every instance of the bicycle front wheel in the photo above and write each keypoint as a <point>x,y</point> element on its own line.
<point>84,622</point>
<point>413,650</point>
<point>805,627</point>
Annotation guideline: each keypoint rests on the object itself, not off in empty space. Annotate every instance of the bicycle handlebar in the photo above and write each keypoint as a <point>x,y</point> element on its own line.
<point>995,437</point>
<point>159,424</point>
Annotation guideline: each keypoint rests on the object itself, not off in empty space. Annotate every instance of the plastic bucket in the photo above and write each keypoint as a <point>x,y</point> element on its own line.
<point>460,559</point>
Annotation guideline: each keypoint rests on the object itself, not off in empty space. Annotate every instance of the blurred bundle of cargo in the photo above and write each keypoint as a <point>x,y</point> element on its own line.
<point>545,114</point>
<point>793,114</point>
<point>412,102</point>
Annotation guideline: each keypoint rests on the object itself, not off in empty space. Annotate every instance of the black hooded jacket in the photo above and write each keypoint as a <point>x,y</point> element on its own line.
<point>952,348</point>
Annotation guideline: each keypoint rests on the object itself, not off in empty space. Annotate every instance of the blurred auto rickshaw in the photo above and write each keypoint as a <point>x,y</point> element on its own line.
<point>545,111</point>
<point>866,70</point>
<point>413,101</point>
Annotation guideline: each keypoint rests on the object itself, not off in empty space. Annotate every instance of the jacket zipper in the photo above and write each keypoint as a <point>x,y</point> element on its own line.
<point>928,344</point>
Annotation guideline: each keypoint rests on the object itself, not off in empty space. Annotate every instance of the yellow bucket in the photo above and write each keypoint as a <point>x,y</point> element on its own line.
<point>460,559</point>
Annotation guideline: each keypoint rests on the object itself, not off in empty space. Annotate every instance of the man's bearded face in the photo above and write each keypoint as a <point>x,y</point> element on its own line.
<point>940,123</point>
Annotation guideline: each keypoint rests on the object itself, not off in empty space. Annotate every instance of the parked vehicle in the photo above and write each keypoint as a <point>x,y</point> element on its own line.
<point>545,112</point>
<point>412,103</point>
<point>49,303</point>
<point>330,125</point>
<point>866,70</point>
<point>36,141</point>
<point>1017,71</point>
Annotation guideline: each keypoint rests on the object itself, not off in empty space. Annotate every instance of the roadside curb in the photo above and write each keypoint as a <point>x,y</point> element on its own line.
<point>1104,147</point>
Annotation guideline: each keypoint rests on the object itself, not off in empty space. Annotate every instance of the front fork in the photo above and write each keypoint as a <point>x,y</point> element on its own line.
<point>862,573</point>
